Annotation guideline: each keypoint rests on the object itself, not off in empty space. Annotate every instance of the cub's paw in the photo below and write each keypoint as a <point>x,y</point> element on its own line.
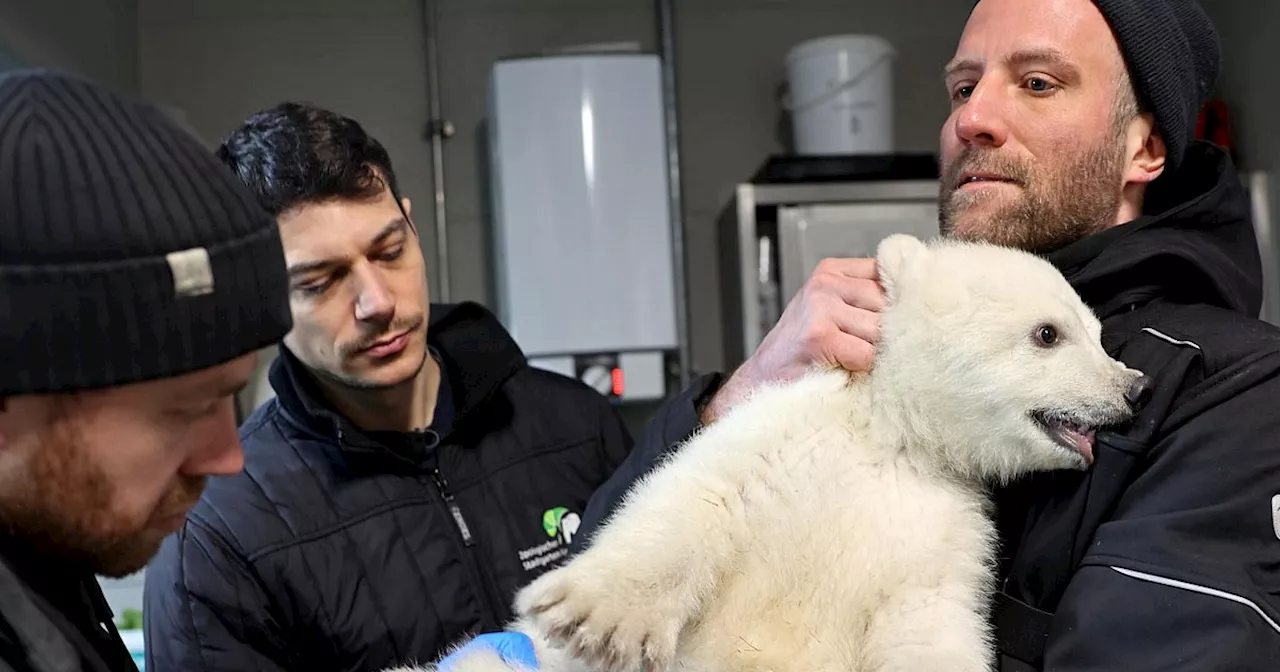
<point>605,619</point>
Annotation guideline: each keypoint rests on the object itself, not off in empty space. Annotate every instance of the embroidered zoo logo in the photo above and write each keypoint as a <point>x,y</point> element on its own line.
<point>560,524</point>
<point>561,521</point>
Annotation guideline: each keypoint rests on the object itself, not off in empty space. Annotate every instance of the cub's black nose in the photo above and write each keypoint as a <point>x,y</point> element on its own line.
<point>1139,393</point>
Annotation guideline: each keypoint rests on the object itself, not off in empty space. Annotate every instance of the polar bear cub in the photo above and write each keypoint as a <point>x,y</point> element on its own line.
<point>841,522</point>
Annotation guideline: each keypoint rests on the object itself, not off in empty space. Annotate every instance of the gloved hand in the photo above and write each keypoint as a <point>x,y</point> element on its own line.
<point>515,649</point>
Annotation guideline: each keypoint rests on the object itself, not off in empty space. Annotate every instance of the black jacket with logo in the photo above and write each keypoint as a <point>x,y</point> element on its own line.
<point>338,549</point>
<point>1166,554</point>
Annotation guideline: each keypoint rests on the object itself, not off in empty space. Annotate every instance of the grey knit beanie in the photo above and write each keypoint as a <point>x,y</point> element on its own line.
<point>127,251</point>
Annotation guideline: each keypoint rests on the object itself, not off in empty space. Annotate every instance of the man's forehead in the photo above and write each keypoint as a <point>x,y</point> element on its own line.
<point>224,379</point>
<point>328,234</point>
<point>216,381</point>
<point>996,29</point>
<point>337,218</point>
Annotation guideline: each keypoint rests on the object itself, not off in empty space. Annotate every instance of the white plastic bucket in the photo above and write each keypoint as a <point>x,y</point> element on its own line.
<point>840,95</point>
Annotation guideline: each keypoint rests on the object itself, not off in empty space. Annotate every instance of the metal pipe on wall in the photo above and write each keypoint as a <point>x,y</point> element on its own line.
<point>667,46</point>
<point>437,130</point>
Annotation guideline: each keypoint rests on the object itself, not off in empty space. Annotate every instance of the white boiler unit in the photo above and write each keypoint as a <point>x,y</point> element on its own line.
<point>581,211</point>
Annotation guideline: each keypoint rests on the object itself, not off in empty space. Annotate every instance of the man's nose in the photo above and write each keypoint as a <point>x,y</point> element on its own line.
<point>983,119</point>
<point>222,454</point>
<point>374,300</point>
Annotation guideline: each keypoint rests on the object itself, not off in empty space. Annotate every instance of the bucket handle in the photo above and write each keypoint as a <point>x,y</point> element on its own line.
<point>835,90</point>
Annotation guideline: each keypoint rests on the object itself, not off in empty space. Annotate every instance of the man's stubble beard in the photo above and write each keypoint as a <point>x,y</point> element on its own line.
<point>62,508</point>
<point>353,349</point>
<point>359,384</point>
<point>1054,208</point>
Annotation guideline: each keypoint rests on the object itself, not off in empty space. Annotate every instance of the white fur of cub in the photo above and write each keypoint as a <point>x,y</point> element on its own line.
<point>840,523</point>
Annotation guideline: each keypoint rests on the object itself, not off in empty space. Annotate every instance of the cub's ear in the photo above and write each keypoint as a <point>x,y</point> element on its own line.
<point>894,255</point>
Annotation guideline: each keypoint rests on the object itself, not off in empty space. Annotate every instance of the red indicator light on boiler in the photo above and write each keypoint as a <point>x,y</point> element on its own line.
<point>617,382</point>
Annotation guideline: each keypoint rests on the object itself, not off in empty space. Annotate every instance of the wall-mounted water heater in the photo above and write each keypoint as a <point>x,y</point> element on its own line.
<point>581,212</point>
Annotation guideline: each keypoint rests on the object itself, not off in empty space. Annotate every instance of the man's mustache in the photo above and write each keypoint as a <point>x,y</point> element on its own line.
<point>986,162</point>
<point>397,326</point>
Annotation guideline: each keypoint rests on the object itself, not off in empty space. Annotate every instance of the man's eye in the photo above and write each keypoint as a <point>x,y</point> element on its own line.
<point>392,254</point>
<point>197,412</point>
<point>313,288</point>
<point>1040,85</point>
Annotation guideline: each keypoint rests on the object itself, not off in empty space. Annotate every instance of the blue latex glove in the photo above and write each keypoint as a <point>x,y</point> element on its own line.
<point>515,648</point>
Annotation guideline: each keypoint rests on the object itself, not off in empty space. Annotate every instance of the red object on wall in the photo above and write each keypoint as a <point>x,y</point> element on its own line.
<point>1214,125</point>
<point>618,387</point>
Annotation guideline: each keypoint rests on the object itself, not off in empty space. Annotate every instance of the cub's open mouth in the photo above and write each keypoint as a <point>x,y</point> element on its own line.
<point>1068,433</point>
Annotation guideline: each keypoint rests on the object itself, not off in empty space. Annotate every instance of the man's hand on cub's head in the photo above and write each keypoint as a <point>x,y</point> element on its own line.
<point>833,321</point>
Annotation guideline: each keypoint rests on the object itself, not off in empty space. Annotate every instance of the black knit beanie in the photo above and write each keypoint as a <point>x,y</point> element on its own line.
<point>127,251</point>
<point>1172,51</point>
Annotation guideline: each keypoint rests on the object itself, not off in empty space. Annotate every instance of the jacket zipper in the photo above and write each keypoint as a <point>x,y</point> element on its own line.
<point>486,590</point>
<point>489,611</point>
<point>456,511</point>
<point>487,599</point>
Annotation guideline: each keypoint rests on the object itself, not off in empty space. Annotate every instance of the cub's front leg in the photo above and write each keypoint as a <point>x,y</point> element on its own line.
<point>932,628</point>
<point>623,602</point>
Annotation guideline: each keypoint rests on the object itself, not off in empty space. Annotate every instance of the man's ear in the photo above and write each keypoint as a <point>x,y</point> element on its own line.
<point>894,256</point>
<point>1145,151</point>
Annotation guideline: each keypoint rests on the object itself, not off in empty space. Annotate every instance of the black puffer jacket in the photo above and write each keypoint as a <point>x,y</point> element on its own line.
<point>338,550</point>
<point>1165,555</point>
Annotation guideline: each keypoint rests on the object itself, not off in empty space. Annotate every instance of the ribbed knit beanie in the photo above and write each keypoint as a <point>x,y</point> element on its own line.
<point>1172,51</point>
<point>128,252</point>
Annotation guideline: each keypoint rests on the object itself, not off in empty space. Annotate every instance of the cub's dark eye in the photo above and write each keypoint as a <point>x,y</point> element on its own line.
<point>1046,335</point>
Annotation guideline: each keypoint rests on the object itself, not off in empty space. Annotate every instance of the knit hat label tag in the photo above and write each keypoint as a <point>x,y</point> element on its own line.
<point>192,272</point>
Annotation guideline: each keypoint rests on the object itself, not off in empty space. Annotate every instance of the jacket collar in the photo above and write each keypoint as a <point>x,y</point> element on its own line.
<point>476,354</point>
<point>1195,243</point>
<point>56,609</point>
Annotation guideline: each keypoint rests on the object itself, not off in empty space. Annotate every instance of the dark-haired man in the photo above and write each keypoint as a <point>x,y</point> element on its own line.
<point>412,470</point>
